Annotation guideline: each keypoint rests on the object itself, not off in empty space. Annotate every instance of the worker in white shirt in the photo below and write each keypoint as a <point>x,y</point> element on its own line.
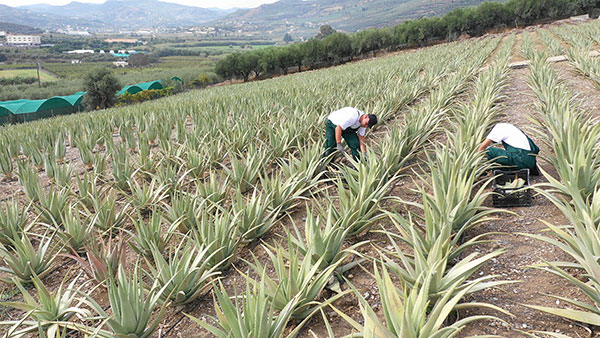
<point>347,123</point>
<point>519,150</point>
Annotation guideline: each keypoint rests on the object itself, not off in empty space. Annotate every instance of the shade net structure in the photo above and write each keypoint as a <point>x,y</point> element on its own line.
<point>136,88</point>
<point>30,110</point>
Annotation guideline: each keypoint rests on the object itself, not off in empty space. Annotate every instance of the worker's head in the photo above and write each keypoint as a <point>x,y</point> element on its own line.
<point>368,120</point>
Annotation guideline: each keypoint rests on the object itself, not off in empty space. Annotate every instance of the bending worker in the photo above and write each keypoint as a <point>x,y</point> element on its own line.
<point>519,150</point>
<point>345,123</point>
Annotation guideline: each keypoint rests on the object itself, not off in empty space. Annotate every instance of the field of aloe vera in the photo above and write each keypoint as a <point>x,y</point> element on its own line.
<point>214,213</point>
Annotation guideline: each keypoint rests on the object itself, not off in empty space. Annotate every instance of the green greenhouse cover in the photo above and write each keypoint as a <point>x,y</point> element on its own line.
<point>136,88</point>
<point>10,107</point>
<point>75,99</point>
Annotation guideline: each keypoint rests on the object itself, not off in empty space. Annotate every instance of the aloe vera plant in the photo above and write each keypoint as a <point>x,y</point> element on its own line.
<point>245,173</point>
<point>23,261</point>
<point>30,181</point>
<point>149,235</point>
<point>88,189</point>
<point>106,215</point>
<point>183,209</point>
<point>324,239</point>
<point>423,256</point>
<point>74,231</point>
<point>186,274</point>
<point>144,196</point>
<point>284,194</point>
<point>249,315</point>
<point>6,165</point>
<point>219,232</point>
<point>254,215</point>
<point>103,258</point>
<point>214,189</point>
<point>132,307</point>
<point>297,278</point>
<point>13,221</point>
<point>52,205</point>
<point>50,311</point>
<point>408,312</point>
<point>358,204</point>
<point>60,148</point>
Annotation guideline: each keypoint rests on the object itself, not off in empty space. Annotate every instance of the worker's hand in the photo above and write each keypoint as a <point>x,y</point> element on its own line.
<point>340,148</point>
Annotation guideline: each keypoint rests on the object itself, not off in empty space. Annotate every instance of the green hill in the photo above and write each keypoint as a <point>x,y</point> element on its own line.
<point>18,29</point>
<point>303,17</point>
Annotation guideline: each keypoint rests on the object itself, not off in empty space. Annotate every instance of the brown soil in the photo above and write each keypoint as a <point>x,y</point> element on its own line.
<point>516,52</point>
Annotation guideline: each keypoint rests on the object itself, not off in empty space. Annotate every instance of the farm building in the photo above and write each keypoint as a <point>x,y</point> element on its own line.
<point>23,40</point>
<point>29,110</point>
<point>136,88</point>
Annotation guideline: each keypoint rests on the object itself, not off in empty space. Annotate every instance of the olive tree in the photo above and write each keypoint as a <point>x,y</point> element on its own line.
<point>101,86</point>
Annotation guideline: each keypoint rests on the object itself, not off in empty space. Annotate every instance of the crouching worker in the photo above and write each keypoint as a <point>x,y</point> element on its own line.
<point>345,123</point>
<point>519,150</point>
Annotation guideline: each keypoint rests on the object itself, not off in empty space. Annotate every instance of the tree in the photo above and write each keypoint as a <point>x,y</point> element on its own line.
<point>338,47</point>
<point>2,57</point>
<point>139,60</point>
<point>101,86</point>
<point>285,57</point>
<point>324,31</point>
<point>287,38</point>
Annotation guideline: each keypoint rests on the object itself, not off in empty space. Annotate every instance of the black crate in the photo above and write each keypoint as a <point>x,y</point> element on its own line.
<point>511,197</point>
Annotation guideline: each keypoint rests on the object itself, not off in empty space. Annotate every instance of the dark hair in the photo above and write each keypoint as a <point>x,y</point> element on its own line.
<point>372,120</point>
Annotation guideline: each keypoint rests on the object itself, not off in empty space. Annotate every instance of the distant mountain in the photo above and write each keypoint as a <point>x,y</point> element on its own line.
<point>31,18</point>
<point>122,14</point>
<point>14,28</point>
<point>303,17</point>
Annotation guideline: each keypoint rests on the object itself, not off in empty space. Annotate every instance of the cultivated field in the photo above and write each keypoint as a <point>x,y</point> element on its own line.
<point>45,77</point>
<point>148,220</point>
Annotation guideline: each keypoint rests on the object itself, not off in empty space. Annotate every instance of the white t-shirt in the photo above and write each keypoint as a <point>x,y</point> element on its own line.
<point>510,134</point>
<point>348,117</point>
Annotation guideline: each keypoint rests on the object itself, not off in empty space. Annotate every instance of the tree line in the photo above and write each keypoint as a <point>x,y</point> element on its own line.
<point>331,48</point>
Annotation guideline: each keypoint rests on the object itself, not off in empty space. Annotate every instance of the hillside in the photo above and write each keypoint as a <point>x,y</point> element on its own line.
<point>18,29</point>
<point>303,16</point>
<point>40,20</point>
<point>115,14</point>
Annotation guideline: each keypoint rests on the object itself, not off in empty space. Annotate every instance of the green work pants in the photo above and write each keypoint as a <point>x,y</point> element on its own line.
<point>349,136</point>
<point>513,157</point>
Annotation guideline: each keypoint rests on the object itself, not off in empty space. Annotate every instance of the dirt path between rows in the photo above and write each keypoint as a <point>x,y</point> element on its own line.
<point>521,251</point>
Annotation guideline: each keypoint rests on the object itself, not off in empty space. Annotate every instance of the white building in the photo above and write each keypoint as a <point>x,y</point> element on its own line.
<point>23,40</point>
<point>79,33</point>
<point>2,34</point>
<point>120,63</point>
<point>81,51</point>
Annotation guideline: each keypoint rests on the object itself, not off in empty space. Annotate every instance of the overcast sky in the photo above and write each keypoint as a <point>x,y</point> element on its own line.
<point>199,3</point>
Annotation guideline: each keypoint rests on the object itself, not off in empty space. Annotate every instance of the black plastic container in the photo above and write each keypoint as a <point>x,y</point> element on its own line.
<point>511,197</point>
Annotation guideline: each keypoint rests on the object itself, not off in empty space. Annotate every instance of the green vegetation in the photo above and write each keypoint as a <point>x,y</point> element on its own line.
<point>101,87</point>
<point>25,73</point>
<point>330,48</point>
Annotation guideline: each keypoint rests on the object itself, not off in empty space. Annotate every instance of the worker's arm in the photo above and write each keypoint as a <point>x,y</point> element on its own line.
<point>485,144</point>
<point>363,145</point>
<point>338,134</point>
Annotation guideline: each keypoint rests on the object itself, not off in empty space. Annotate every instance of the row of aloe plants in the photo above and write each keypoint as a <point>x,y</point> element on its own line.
<point>100,213</point>
<point>571,133</point>
<point>434,279</point>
